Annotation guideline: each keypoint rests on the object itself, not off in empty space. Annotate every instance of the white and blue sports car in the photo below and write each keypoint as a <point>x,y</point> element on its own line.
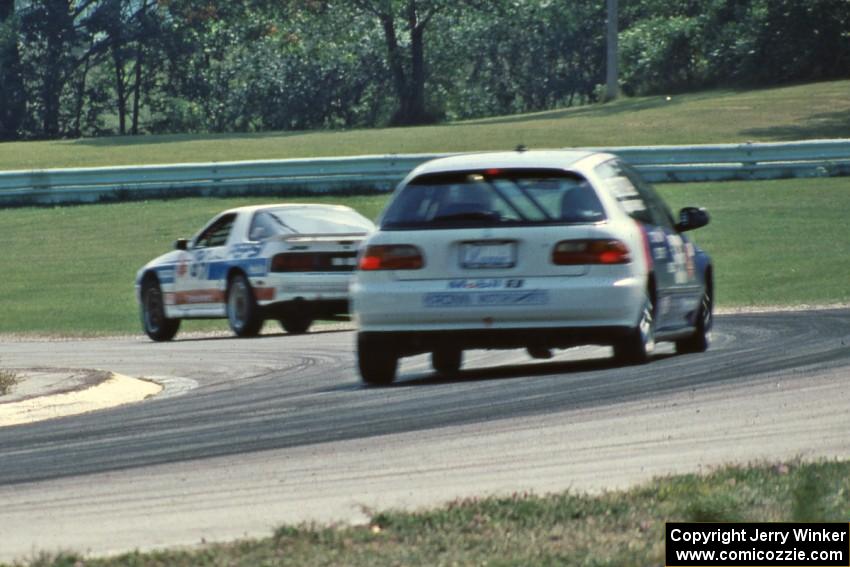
<point>290,262</point>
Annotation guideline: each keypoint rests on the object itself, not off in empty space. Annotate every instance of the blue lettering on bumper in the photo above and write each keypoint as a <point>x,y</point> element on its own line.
<point>486,299</point>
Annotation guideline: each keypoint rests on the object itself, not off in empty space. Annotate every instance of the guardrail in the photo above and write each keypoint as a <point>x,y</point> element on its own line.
<point>659,164</point>
<point>749,161</point>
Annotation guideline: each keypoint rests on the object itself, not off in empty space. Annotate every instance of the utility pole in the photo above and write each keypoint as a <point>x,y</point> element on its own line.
<point>612,70</point>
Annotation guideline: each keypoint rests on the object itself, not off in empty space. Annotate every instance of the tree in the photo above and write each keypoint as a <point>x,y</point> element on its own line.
<point>520,57</point>
<point>612,64</point>
<point>125,27</point>
<point>12,95</point>
<point>404,23</point>
<point>56,43</point>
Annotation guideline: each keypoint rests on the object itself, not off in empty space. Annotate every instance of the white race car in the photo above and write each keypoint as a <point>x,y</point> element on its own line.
<point>528,249</point>
<point>290,262</point>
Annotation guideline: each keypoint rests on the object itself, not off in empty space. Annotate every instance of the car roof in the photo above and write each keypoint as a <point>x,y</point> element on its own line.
<point>520,159</point>
<point>254,208</point>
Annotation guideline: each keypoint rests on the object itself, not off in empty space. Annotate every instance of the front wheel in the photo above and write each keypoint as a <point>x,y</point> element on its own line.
<point>156,325</point>
<point>639,344</point>
<point>376,360</point>
<point>699,341</point>
<point>243,313</point>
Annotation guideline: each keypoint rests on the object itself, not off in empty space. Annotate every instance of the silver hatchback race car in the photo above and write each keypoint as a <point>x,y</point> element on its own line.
<point>528,249</point>
<point>290,262</point>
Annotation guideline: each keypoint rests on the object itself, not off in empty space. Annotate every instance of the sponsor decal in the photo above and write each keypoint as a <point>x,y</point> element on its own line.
<point>182,268</point>
<point>486,283</point>
<point>486,298</point>
<point>165,275</point>
<point>199,296</point>
<point>240,251</point>
<point>691,252</point>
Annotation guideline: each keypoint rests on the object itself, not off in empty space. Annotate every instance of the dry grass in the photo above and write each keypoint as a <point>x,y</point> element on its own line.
<point>613,529</point>
<point>8,379</point>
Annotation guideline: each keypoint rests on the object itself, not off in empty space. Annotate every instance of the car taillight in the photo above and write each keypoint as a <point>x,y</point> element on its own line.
<point>313,262</point>
<point>292,263</point>
<point>595,251</point>
<point>391,257</point>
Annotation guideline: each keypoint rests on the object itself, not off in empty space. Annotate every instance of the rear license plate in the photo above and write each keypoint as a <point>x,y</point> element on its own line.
<point>488,255</point>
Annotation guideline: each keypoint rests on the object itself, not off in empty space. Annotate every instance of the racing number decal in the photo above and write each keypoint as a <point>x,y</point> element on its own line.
<point>199,268</point>
<point>182,266</point>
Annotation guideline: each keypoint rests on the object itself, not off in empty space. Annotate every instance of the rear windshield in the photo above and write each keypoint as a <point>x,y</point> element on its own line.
<point>307,220</point>
<point>493,198</point>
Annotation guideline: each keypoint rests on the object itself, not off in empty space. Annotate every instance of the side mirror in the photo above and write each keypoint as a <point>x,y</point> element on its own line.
<point>691,218</point>
<point>181,244</point>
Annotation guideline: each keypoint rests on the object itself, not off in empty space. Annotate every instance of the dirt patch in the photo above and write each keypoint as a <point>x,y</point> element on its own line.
<point>90,391</point>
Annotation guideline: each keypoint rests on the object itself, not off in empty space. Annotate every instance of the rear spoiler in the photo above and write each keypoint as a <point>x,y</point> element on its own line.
<point>324,237</point>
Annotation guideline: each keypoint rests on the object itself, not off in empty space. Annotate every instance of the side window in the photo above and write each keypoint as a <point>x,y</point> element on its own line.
<point>657,208</point>
<point>262,227</point>
<point>216,234</point>
<point>625,191</point>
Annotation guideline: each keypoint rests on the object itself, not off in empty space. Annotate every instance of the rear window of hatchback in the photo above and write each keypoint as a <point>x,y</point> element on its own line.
<point>493,197</point>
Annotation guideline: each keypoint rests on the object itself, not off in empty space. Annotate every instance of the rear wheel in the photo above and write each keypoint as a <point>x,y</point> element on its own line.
<point>376,360</point>
<point>156,325</point>
<point>699,341</point>
<point>639,344</point>
<point>243,313</point>
<point>447,362</point>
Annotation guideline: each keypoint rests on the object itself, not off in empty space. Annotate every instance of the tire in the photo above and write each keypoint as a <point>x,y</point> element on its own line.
<point>638,346</point>
<point>296,323</point>
<point>699,341</point>
<point>447,362</point>
<point>243,313</point>
<point>376,360</point>
<point>154,322</point>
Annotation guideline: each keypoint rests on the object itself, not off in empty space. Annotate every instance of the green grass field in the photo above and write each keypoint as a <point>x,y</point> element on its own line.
<point>811,111</point>
<point>616,529</point>
<point>774,243</point>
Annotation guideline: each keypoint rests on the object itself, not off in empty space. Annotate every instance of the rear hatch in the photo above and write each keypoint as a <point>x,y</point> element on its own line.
<point>493,223</point>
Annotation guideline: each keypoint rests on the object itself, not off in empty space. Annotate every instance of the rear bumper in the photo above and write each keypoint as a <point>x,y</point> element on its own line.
<point>583,304</point>
<point>279,288</point>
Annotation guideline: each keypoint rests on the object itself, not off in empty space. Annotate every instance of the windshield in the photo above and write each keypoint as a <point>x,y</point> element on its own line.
<point>307,220</point>
<point>493,198</point>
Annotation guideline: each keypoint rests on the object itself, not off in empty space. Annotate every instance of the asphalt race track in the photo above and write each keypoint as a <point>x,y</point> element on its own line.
<point>252,433</point>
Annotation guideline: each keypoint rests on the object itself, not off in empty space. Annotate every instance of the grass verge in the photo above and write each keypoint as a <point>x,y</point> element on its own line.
<point>612,529</point>
<point>8,379</point>
<point>773,243</point>
<point>819,110</point>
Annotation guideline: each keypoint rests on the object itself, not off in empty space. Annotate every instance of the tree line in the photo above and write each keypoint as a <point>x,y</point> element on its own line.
<point>71,68</point>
